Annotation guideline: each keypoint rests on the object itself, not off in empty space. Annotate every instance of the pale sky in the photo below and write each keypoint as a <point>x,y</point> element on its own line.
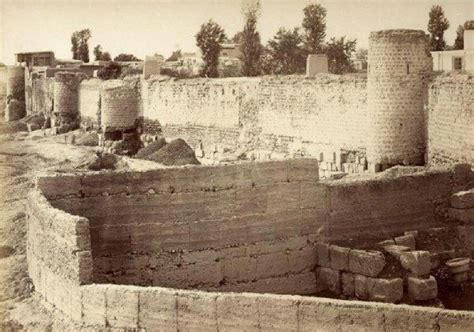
<point>145,27</point>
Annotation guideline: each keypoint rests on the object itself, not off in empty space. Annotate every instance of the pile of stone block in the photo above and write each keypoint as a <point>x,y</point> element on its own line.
<point>462,207</point>
<point>354,274</point>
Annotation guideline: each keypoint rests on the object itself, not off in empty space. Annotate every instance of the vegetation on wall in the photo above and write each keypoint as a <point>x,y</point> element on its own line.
<point>126,57</point>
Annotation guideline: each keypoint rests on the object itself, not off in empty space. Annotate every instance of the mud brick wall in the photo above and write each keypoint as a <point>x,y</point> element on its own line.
<point>58,253</point>
<point>235,228</point>
<point>451,119</point>
<point>89,102</point>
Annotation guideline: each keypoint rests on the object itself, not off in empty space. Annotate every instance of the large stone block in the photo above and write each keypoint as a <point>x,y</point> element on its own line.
<point>236,312</point>
<point>462,199</point>
<point>464,215</point>
<point>122,306</point>
<point>322,250</point>
<point>422,289</point>
<point>348,286</point>
<point>278,313</point>
<point>339,258</point>
<point>329,279</point>
<point>368,263</point>
<point>360,287</point>
<point>417,262</point>
<point>157,309</point>
<point>316,63</point>
<point>385,290</point>
<point>407,240</point>
<point>196,311</point>
<point>93,305</point>
<point>15,110</point>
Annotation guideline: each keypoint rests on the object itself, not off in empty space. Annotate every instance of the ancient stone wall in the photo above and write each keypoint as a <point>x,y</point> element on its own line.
<point>451,119</point>
<point>89,102</point>
<point>274,114</point>
<point>66,93</point>
<point>42,97</point>
<point>59,245</point>
<point>399,71</point>
<point>3,89</point>
<point>16,82</point>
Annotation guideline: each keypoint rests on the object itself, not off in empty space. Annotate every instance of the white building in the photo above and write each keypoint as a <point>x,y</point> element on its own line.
<point>457,59</point>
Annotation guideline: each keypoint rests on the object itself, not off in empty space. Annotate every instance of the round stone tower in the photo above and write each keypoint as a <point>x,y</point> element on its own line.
<point>16,82</point>
<point>120,105</point>
<point>399,71</point>
<point>66,93</point>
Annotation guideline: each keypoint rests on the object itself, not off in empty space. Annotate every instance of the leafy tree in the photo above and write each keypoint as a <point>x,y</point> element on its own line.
<point>314,25</point>
<point>437,25</point>
<point>250,47</point>
<point>80,48</point>
<point>112,70</point>
<point>237,39</point>
<point>175,56</point>
<point>459,41</point>
<point>101,56</point>
<point>267,64</point>
<point>339,52</point>
<point>208,39</point>
<point>288,55</point>
<point>126,57</point>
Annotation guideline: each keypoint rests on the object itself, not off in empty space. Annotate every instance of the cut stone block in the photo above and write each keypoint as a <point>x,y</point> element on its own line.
<point>463,199</point>
<point>464,215</point>
<point>407,241</point>
<point>417,262</point>
<point>348,284</point>
<point>322,250</point>
<point>386,243</point>
<point>330,279</point>
<point>367,263</point>
<point>122,307</point>
<point>385,290</point>
<point>422,289</point>
<point>339,258</point>
<point>237,311</point>
<point>158,310</point>
<point>360,287</point>
<point>395,250</point>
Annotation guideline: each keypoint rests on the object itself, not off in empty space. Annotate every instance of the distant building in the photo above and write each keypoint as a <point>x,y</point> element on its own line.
<point>36,59</point>
<point>231,51</point>
<point>462,60</point>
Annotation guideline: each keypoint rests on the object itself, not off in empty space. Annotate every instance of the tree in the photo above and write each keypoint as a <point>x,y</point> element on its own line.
<point>237,39</point>
<point>80,48</point>
<point>314,25</point>
<point>126,57</point>
<point>339,52</point>
<point>112,70</point>
<point>251,48</point>
<point>208,39</point>
<point>459,41</point>
<point>437,25</point>
<point>287,53</point>
<point>99,55</point>
<point>175,56</point>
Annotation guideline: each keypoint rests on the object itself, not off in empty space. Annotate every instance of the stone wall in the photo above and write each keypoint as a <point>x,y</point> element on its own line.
<point>89,102</point>
<point>42,97</point>
<point>451,119</point>
<point>3,89</point>
<point>275,114</point>
<point>235,228</point>
<point>59,247</point>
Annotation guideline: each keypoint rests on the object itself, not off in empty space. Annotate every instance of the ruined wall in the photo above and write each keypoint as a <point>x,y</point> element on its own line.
<point>66,93</point>
<point>120,104</point>
<point>451,119</point>
<point>89,102</point>
<point>3,89</point>
<point>321,114</point>
<point>235,228</point>
<point>399,71</point>
<point>16,82</point>
<point>42,97</point>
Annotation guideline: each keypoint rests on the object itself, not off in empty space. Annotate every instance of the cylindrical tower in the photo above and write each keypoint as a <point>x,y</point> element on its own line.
<point>120,105</point>
<point>66,93</point>
<point>16,82</point>
<point>399,70</point>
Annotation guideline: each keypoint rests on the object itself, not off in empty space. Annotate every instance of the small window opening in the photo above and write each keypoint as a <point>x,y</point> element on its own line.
<point>457,63</point>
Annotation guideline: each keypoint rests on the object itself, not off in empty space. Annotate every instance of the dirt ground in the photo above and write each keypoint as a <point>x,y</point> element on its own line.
<point>22,157</point>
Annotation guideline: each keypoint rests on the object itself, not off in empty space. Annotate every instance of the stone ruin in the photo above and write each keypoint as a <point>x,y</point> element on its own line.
<point>248,245</point>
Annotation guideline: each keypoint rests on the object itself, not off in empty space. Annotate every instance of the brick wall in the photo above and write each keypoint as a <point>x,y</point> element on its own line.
<point>451,119</point>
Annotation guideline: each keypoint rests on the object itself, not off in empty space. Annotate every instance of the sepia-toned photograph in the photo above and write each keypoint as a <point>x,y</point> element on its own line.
<point>237,165</point>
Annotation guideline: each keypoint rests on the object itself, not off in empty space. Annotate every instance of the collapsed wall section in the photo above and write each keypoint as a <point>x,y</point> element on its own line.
<point>451,119</point>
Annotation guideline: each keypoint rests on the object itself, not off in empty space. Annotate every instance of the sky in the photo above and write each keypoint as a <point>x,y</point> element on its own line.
<point>146,27</point>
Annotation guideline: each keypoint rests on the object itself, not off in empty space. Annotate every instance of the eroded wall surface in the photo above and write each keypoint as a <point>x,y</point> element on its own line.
<point>89,102</point>
<point>3,89</point>
<point>451,119</point>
